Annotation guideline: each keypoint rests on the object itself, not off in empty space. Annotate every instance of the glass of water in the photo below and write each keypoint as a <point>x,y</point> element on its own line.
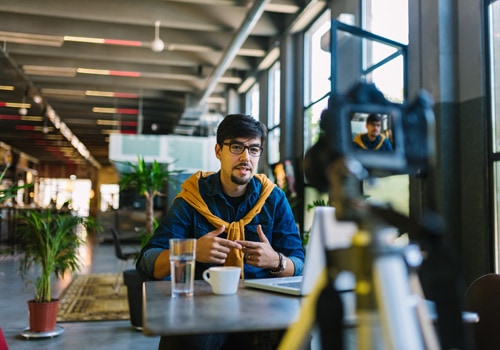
<point>182,262</point>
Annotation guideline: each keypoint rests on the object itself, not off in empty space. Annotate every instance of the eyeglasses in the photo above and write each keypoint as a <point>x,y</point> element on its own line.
<point>238,148</point>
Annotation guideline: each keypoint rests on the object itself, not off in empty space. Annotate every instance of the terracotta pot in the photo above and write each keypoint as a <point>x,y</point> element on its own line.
<point>43,316</point>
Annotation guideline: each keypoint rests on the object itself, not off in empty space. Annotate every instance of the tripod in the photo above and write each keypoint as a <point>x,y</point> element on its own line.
<point>390,304</point>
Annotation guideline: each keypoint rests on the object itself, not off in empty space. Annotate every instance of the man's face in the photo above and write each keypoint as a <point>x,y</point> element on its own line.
<point>237,168</point>
<point>373,129</point>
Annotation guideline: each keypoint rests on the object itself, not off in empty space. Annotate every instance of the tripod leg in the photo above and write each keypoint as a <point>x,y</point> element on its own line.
<point>428,329</point>
<point>298,332</point>
<point>330,317</point>
<point>396,304</point>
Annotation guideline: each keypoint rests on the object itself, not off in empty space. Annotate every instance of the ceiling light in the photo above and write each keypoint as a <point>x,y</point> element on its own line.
<point>63,92</point>
<point>271,57</point>
<point>7,87</point>
<point>15,105</point>
<point>119,73</point>
<point>31,39</point>
<point>157,45</point>
<point>246,85</point>
<point>107,122</point>
<point>229,80</point>
<point>115,110</point>
<point>50,71</point>
<point>216,99</point>
<point>81,39</point>
<point>110,94</point>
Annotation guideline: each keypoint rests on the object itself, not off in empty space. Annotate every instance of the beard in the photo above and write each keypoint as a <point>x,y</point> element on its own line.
<point>240,180</point>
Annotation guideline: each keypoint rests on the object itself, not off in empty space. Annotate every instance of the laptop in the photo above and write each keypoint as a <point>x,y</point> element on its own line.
<point>325,231</point>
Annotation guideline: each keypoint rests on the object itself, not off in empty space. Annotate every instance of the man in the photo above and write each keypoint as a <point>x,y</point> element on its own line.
<point>238,217</point>
<point>372,139</point>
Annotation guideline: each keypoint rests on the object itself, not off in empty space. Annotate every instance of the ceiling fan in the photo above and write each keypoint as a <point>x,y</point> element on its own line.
<point>157,45</point>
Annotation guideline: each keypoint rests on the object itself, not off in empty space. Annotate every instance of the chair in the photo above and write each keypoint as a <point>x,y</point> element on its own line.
<point>124,257</point>
<point>483,297</point>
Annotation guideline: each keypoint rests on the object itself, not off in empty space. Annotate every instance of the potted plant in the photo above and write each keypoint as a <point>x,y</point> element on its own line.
<point>50,242</point>
<point>149,180</point>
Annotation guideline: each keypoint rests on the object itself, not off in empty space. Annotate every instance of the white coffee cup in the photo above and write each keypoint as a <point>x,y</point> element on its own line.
<point>223,279</point>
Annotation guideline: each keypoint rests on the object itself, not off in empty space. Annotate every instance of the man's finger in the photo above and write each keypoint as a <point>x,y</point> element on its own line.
<point>217,232</point>
<point>261,234</point>
<point>232,244</point>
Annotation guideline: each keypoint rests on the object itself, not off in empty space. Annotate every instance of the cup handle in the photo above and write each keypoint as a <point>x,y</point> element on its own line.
<point>206,276</point>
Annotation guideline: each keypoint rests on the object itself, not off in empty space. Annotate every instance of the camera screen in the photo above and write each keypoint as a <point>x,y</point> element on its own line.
<point>375,137</point>
<point>372,131</point>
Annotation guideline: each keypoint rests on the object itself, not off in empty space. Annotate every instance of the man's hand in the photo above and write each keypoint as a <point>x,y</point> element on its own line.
<point>260,254</point>
<point>213,249</point>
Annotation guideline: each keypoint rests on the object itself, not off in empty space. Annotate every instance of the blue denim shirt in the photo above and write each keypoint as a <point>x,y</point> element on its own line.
<point>182,220</point>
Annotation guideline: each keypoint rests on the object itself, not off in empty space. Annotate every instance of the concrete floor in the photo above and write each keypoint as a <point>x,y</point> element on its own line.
<point>96,258</point>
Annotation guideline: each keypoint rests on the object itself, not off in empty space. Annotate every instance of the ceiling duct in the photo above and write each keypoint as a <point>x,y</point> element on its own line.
<point>232,49</point>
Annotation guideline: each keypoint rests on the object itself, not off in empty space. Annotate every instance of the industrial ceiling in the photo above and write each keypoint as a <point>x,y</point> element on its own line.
<point>72,72</point>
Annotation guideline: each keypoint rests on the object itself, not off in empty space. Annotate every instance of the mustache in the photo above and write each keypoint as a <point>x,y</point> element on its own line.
<point>244,164</point>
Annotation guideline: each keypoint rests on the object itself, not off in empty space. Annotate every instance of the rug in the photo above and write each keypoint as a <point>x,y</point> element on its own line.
<point>92,298</point>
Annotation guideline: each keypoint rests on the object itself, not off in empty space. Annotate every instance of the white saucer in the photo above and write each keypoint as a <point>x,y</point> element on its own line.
<point>48,334</point>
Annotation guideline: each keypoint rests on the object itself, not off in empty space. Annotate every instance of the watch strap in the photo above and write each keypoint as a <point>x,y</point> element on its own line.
<point>282,265</point>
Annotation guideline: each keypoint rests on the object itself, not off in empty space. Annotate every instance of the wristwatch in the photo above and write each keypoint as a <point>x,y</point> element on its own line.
<point>282,265</point>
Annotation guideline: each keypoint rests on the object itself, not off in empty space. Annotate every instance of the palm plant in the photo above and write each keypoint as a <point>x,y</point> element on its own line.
<point>50,243</point>
<point>150,181</point>
<point>10,192</point>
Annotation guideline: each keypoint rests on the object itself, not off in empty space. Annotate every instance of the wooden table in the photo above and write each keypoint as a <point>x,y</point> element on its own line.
<point>205,312</point>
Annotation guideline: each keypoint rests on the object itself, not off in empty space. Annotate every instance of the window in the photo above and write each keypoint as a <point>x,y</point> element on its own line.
<point>252,101</point>
<point>388,18</point>
<point>359,56</point>
<point>58,192</point>
<point>317,73</point>
<point>273,121</point>
<point>317,78</point>
<point>110,194</point>
<point>494,69</point>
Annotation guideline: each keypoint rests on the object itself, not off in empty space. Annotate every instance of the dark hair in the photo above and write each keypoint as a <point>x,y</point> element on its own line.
<point>373,118</point>
<point>240,125</point>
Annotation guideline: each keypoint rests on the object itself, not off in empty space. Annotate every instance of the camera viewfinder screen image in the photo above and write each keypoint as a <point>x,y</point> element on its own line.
<point>372,131</point>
